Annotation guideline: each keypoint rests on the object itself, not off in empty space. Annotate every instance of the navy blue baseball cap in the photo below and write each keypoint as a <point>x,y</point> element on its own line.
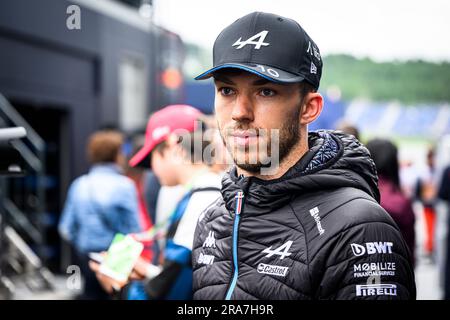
<point>273,47</point>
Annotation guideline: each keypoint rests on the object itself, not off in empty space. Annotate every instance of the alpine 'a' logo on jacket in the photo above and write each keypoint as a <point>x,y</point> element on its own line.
<point>281,251</point>
<point>210,241</point>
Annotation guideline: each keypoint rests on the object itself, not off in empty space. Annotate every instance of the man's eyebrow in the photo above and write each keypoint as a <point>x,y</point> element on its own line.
<point>223,79</point>
<point>260,82</point>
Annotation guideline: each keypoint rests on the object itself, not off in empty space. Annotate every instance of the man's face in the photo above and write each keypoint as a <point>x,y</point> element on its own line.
<point>248,110</point>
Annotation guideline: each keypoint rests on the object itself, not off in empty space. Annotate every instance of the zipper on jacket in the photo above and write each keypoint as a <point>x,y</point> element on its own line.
<point>238,209</point>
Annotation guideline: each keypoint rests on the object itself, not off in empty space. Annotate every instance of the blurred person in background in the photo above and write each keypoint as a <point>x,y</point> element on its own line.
<point>99,205</point>
<point>158,199</point>
<point>426,192</point>
<point>148,187</point>
<point>176,145</point>
<point>444,194</point>
<point>385,155</point>
<point>409,174</point>
<point>348,128</point>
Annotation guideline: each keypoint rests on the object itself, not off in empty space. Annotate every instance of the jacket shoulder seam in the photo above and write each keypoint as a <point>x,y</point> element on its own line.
<point>348,201</point>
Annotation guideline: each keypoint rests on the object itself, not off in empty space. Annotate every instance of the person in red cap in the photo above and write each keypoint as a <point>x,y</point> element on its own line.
<point>174,147</point>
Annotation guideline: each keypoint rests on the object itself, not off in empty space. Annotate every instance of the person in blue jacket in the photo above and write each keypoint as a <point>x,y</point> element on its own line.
<point>99,204</point>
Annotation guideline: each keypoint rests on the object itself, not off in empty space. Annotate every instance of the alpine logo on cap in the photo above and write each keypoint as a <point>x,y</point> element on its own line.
<point>261,36</point>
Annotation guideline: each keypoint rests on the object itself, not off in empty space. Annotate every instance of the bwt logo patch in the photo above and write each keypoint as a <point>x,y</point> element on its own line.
<point>371,248</point>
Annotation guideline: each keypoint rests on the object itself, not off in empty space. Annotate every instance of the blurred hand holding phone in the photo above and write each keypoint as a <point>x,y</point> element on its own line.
<point>97,256</point>
<point>120,259</point>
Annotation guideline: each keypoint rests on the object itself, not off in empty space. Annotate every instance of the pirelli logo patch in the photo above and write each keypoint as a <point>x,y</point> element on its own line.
<point>376,290</point>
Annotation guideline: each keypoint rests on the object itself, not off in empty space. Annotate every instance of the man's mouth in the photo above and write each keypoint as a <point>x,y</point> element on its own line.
<point>244,138</point>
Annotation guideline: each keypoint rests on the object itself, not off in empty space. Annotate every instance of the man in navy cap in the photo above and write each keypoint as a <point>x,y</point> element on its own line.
<point>300,215</point>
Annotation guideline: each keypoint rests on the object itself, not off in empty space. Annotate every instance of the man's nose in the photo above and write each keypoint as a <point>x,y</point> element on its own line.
<point>243,109</point>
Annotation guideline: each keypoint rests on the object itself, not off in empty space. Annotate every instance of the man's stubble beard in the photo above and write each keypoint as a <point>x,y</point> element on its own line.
<point>289,136</point>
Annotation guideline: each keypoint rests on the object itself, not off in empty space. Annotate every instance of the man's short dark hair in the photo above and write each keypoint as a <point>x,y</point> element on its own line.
<point>305,88</point>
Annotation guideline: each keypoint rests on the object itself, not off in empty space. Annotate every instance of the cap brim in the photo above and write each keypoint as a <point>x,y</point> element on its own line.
<point>266,72</point>
<point>141,155</point>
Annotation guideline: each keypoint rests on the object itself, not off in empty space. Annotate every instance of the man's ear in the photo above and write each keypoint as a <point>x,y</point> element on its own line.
<point>172,140</point>
<point>312,107</point>
<point>175,148</point>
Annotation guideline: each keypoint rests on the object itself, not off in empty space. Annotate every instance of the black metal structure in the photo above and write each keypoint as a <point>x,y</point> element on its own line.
<point>66,83</point>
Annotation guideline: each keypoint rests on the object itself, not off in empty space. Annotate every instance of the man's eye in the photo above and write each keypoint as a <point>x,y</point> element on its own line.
<point>267,92</point>
<point>226,91</point>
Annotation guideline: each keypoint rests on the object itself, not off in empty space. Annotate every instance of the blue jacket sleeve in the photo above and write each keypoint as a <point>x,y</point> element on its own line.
<point>68,223</point>
<point>125,216</point>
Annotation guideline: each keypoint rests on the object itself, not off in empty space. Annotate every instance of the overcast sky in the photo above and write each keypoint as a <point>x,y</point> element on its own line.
<point>382,29</point>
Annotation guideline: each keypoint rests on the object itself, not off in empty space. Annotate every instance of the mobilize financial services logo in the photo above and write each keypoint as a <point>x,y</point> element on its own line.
<point>374,269</point>
<point>371,248</point>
